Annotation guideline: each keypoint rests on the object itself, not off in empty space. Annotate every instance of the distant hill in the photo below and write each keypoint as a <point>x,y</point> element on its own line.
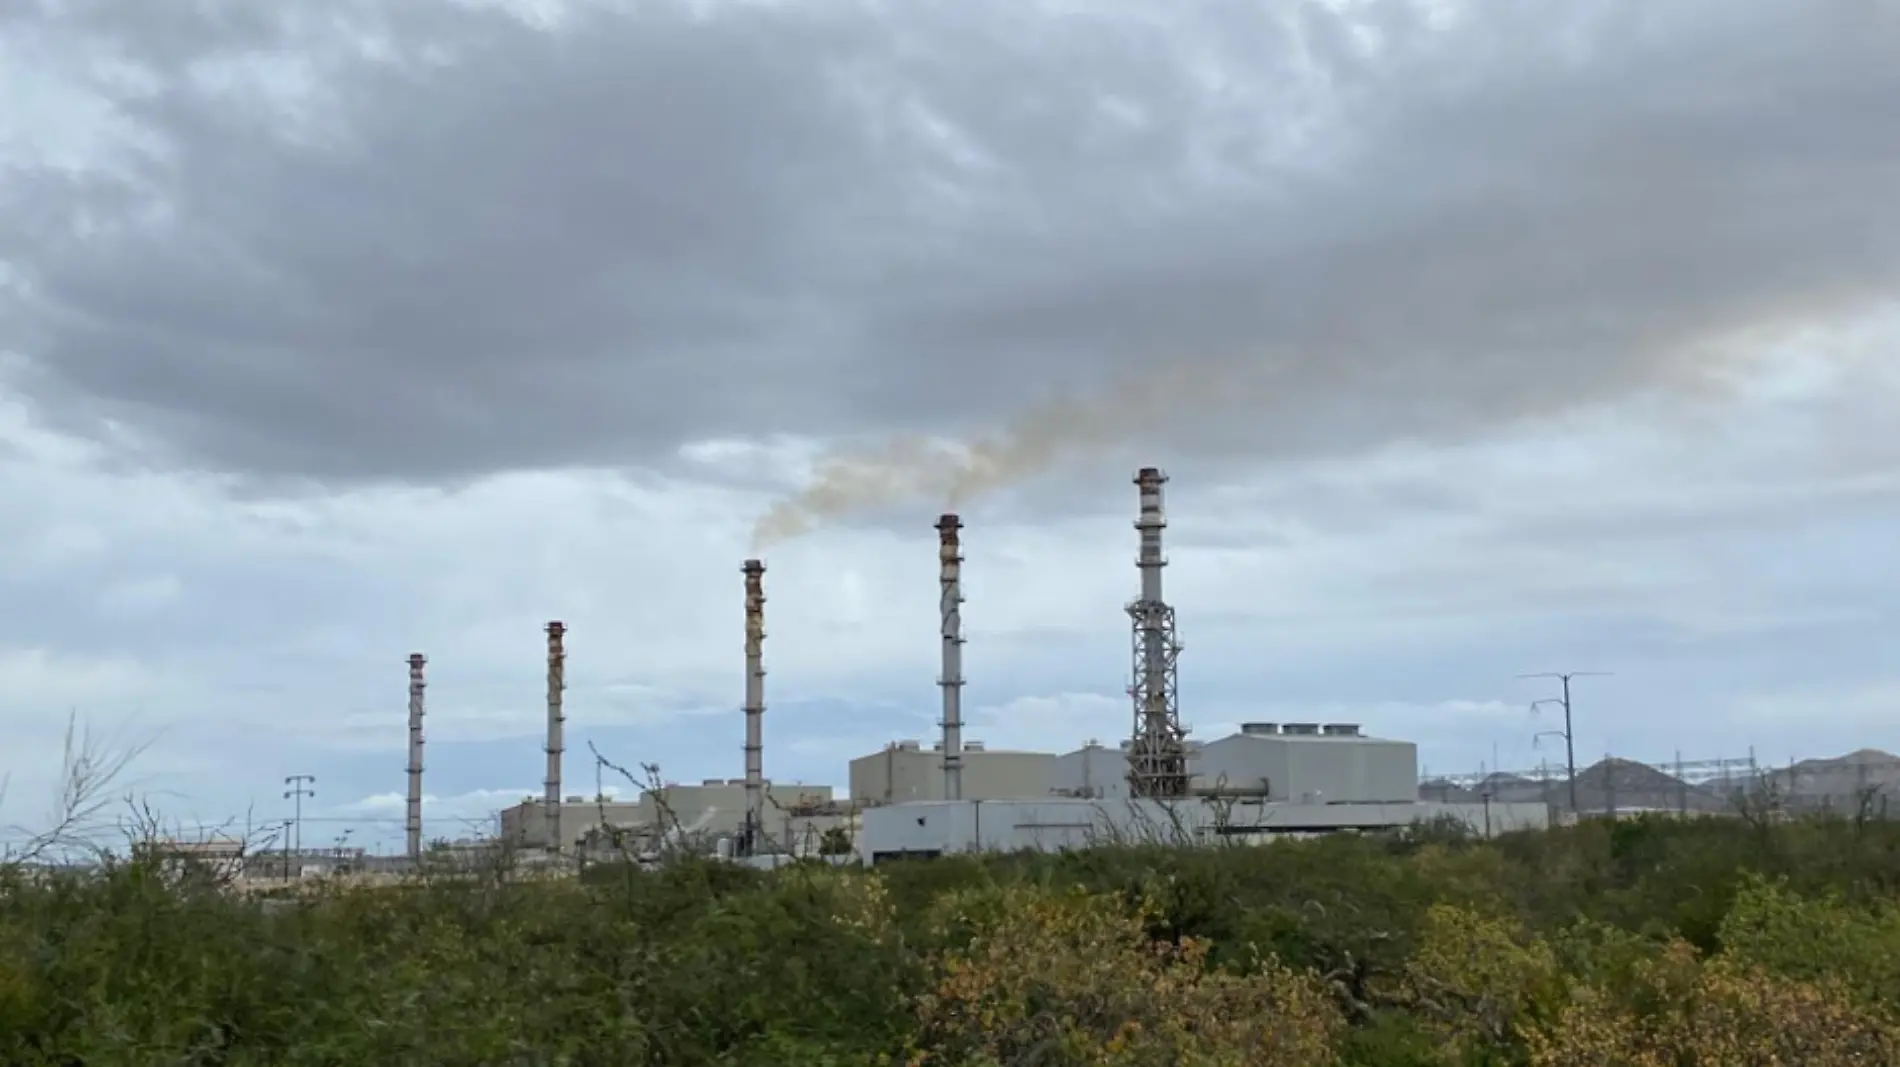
<point>1625,785</point>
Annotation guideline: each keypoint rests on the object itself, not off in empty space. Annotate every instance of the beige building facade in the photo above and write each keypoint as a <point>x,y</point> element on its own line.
<point>905,771</point>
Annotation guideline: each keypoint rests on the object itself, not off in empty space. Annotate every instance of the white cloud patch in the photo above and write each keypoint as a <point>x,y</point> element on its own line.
<point>46,683</point>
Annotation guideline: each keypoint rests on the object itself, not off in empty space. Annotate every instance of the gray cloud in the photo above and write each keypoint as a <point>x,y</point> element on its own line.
<point>446,241</point>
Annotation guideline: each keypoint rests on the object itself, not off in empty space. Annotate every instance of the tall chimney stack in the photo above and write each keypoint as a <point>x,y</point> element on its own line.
<point>414,821</point>
<point>557,682</point>
<point>1150,523</point>
<point>1157,756</point>
<point>754,830</point>
<point>950,559</point>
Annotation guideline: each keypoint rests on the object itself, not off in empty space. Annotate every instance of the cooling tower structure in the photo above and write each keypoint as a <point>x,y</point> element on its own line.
<point>557,683</point>
<point>1157,753</point>
<point>950,558</point>
<point>752,831</point>
<point>413,821</point>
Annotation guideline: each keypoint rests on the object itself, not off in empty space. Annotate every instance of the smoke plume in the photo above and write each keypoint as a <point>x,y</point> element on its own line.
<point>911,468</point>
<point>1292,403</point>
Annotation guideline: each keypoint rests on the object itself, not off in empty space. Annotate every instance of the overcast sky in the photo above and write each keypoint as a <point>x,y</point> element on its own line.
<point>1478,339</point>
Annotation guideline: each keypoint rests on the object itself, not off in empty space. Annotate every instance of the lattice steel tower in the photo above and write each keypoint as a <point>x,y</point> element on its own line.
<point>1157,752</point>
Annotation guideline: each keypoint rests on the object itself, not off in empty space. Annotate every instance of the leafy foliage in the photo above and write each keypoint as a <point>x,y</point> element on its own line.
<point>1650,941</point>
<point>1073,978</point>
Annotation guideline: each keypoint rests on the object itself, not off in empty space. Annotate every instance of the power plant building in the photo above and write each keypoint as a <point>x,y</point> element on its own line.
<point>1053,824</point>
<point>1264,782</point>
<point>1304,763</point>
<point>1097,771</point>
<point>906,771</point>
<point>712,809</point>
<point>1308,763</point>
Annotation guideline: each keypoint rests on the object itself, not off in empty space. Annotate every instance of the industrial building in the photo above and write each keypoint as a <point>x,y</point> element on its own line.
<point>906,771</point>
<point>925,830</point>
<point>1098,772</point>
<point>1264,782</point>
<point>1308,763</point>
<point>1267,780</point>
<point>708,811</point>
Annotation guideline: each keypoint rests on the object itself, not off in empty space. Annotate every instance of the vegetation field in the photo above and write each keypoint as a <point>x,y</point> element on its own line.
<point>1627,944</point>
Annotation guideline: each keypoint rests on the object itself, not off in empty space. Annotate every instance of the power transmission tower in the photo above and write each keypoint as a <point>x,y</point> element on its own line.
<point>1570,740</point>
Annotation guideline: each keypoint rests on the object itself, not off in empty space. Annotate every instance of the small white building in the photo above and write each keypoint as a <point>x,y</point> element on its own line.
<point>906,771</point>
<point>1064,823</point>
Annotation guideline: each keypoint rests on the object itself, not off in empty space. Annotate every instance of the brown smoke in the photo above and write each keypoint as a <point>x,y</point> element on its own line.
<point>1418,396</point>
<point>911,468</point>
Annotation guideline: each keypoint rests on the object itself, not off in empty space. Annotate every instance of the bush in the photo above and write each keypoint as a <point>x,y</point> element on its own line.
<point>1687,1011</point>
<point>1074,978</point>
<point>1653,942</point>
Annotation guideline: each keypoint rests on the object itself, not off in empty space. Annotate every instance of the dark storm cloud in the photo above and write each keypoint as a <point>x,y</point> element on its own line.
<point>484,244</point>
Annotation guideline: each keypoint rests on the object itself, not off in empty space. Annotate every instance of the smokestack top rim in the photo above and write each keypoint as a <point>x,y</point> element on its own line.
<point>556,626</point>
<point>949,520</point>
<point>753,566</point>
<point>417,659</point>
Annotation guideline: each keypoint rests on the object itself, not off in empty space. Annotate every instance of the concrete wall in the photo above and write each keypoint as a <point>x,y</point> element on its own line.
<point>1056,824</point>
<point>707,809</point>
<point>1094,770</point>
<point>898,775</point>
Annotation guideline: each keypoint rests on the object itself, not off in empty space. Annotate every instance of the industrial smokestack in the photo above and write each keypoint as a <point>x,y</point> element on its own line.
<point>413,824</point>
<point>1158,757</point>
<point>1148,482</point>
<point>950,558</point>
<point>753,831</point>
<point>557,682</point>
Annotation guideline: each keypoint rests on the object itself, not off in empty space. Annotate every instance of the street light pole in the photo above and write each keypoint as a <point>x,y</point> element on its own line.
<point>299,787</point>
<point>1570,738</point>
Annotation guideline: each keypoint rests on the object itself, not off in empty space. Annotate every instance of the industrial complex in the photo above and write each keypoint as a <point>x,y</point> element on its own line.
<point>954,794</point>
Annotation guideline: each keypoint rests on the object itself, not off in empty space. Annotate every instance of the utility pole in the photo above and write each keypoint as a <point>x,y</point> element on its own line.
<point>1570,739</point>
<point>298,786</point>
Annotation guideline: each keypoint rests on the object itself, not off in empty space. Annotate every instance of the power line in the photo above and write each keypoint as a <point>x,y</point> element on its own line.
<point>300,787</point>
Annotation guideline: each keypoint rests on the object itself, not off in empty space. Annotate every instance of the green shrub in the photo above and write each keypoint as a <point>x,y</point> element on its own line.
<point>1633,939</point>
